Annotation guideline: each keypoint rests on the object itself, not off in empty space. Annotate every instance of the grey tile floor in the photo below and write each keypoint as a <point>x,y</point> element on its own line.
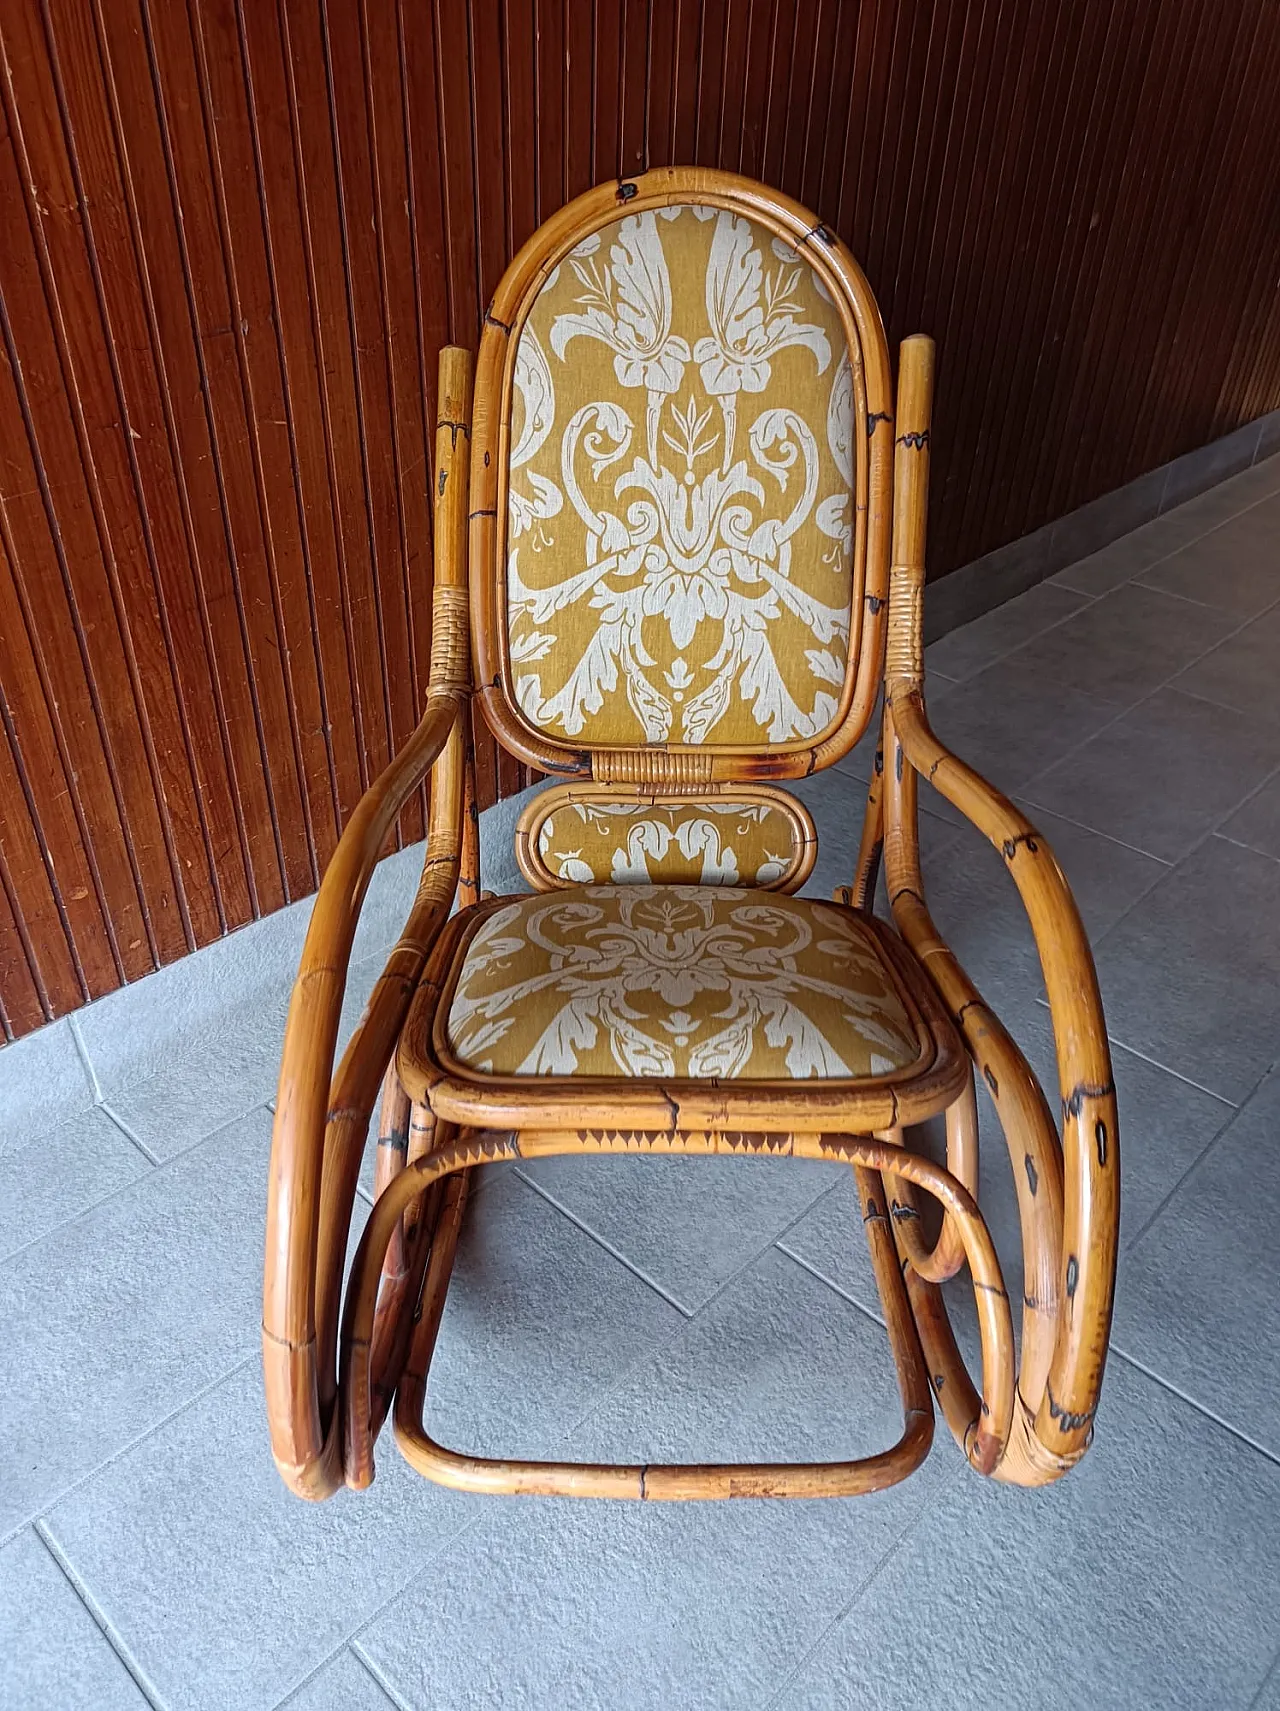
<point>697,1309</point>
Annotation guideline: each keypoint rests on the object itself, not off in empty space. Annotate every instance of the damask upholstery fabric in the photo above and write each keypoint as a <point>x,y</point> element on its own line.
<point>701,843</point>
<point>677,981</point>
<point>679,529</point>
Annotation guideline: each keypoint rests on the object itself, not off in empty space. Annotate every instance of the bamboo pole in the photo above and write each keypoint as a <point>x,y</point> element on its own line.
<point>1070,1255</point>
<point>320,1129</point>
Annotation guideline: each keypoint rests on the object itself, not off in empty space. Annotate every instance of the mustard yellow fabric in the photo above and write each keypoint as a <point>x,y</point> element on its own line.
<point>679,547</point>
<point>677,981</point>
<point>700,843</point>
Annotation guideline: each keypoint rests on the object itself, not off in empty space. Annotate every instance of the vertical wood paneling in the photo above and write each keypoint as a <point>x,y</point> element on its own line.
<point>234,235</point>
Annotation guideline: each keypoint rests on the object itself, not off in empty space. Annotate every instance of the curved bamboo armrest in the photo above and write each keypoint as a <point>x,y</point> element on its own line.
<point>1070,1259</point>
<point>321,1125</point>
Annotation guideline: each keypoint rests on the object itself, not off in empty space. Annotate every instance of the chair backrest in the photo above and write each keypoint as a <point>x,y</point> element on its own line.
<point>681,478</point>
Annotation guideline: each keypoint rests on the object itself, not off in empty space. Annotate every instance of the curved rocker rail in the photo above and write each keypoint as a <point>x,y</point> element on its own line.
<point>320,1128</point>
<point>1069,1193</point>
<point>986,1433</point>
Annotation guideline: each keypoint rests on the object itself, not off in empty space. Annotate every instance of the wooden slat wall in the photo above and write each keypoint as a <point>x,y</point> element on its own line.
<point>234,234</point>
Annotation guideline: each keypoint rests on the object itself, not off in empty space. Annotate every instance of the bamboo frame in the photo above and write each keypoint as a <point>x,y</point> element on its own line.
<point>330,1388</point>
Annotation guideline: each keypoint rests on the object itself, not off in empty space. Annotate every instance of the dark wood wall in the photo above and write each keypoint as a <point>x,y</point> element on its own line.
<point>233,235</point>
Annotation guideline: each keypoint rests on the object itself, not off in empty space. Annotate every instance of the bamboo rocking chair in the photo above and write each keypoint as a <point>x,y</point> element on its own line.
<point>679,550</point>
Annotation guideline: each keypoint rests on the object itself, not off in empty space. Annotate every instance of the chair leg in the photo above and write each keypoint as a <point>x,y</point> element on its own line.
<point>405,1263</point>
<point>945,1258</point>
<point>672,1482</point>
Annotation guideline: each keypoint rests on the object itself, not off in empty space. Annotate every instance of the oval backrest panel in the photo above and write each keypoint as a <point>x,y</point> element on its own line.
<point>582,834</point>
<point>677,558</point>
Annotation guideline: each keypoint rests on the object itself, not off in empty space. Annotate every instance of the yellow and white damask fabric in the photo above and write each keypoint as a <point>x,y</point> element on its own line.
<point>677,981</point>
<point>704,843</point>
<point>680,507</point>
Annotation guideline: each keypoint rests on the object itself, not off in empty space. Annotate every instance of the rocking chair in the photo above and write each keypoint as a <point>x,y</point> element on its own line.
<point>679,550</point>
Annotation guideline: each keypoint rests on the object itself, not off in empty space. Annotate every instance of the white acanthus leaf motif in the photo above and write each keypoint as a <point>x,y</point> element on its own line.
<point>833,515</point>
<point>627,305</point>
<point>538,398</point>
<point>683,554</point>
<point>752,315</point>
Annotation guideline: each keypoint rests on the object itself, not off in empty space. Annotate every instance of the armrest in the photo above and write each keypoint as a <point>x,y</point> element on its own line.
<point>1071,1251</point>
<point>320,1127</point>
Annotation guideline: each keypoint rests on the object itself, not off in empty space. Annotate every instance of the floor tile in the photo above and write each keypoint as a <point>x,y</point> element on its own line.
<point>1191,975</point>
<point>498,870</point>
<point>1199,1306</point>
<point>43,1083</point>
<point>1206,468</point>
<point>118,1317</point>
<point>1269,1697</point>
<point>1104,570</point>
<point>1233,570</point>
<point>1257,822</point>
<point>343,1685</point>
<point>1123,646</point>
<point>224,1587</point>
<point>1241,672</point>
<point>215,1080</point>
<point>1121,560</point>
<point>539,1319</point>
<point>1015,718</point>
<point>53,1655</point>
<point>837,799</point>
<point>53,1177</point>
<point>978,909</point>
<point>1164,775</point>
<point>682,1604</point>
<point>686,1223</point>
<point>967,650</point>
<point>1080,1596</point>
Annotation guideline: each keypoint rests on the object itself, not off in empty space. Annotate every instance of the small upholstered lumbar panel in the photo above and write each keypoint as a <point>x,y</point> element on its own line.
<point>700,843</point>
<point>677,981</point>
<point>679,507</point>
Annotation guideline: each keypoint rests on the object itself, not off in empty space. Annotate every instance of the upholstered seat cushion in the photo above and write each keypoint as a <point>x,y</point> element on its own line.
<point>677,981</point>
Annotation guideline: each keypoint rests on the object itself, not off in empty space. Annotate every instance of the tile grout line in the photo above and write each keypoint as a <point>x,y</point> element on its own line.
<point>114,1116</point>
<point>105,1627</point>
<point>371,1670</point>
<point>134,1184</point>
<point>594,1404</point>
<point>40,1517</point>
<point>388,1687</point>
<point>1080,825</point>
<point>1024,790</point>
<point>821,1277</point>
<point>952,1479</point>
<point>1200,1157</point>
<point>601,1242</point>
<point>680,1329</point>
<point>301,1686</point>
<point>1239,843</point>
<point>1236,1432</point>
<point>86,1062</point>
<point>1210,833</point>
<point>1155,1063</point>
<point>1267,1679</point>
